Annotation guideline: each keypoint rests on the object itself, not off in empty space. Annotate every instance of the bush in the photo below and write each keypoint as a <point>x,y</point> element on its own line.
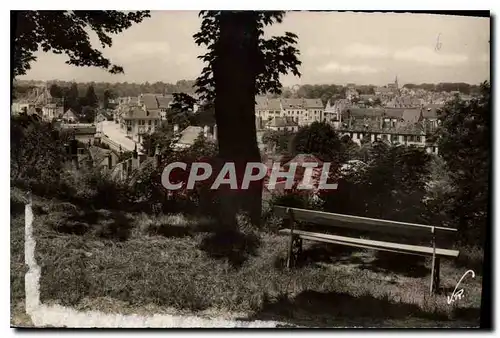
<point>37,155</point>
<point>471,257</point>
<point>99,189</point>
<point>392,186</point>
<point>295,199</point>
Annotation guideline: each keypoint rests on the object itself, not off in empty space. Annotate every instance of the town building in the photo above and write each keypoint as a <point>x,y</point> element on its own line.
<point>332,112</point>
<point>286,123</point>
<point>190,134</point>
<point>413,126</point>
<point>39,101</point>
<point>70,116</point>
<point>83,132</point>
<point>302,111</point>
<point>142,115</point>
<point>103,115</point>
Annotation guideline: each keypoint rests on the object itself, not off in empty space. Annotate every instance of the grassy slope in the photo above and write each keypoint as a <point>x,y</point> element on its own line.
<point>141,264</point>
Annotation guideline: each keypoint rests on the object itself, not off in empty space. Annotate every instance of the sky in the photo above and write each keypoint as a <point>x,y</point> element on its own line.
<point>339,48</point>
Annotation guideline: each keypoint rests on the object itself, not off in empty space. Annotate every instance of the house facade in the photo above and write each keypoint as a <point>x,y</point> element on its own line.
<point>302,111</point>
<point>285,123</point>
<point>70,116</point>
<point>142,115</point>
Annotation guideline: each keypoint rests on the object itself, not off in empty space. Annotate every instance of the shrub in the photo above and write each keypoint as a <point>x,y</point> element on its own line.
<point>295,199</point>
<point>37,154</point>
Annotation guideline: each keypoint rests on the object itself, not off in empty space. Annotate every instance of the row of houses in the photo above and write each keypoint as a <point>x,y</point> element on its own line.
<point>40,102</point>
<point>410,125</point>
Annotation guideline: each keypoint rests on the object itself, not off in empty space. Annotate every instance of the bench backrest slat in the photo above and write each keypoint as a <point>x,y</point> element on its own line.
<point>362,223</point>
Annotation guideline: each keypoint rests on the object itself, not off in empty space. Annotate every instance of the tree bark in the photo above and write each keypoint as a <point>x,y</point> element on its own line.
<point>235,71</point>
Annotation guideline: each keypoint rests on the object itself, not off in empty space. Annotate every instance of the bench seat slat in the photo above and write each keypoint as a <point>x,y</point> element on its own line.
<point>371,244</point>
<point>362,223</point>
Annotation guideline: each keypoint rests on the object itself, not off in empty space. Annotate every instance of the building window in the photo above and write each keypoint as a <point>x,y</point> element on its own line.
<point>394,138</point>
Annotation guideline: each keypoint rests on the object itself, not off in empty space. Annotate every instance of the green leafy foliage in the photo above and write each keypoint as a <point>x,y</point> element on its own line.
<point>464,144</point>
<point>67,32</point>
<point>321,140</point>
<point>107,96</point>
<point>271,57</point>
<point>240,64</point>
<point>279,140</point>
<point>462,87</point>
<point>37,153</point>
<point>162,137</point>
<point>390,186</point>
<point>117,89</point>
<point>71,97</point>
<point>323,92</point>
<point>90,97</point>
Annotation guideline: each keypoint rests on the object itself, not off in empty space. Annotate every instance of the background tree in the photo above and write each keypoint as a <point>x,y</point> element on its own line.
<point>67,32</point>
<point>279,140</point>
<point>321,140</point>
<point>464,143</point>
<point>391,186</point>
<point>91,98</point>
<point>56,91</point>
<point>71,98</point>
<point>181,110</point>
<point>88,114</point>
<point>162,137</point>
<point>205,116</point>
<point>439,193</point>
<point>37,153</point>
<point>241,63</point>
<point>107,96</point>
<point>183,102</point>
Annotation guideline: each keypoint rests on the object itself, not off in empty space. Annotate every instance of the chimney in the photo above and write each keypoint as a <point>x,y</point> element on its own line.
<point>206,130</point>
<point>176,128</point>
<point>215,132</point>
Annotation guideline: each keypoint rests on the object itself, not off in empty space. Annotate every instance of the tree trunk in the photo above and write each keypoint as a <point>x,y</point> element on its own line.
<point>235,77</point>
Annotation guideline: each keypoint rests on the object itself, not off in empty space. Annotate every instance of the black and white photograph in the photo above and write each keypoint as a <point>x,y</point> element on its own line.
<point>250,169</point>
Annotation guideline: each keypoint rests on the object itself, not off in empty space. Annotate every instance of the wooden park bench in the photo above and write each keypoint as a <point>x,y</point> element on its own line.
<point>433,233</point>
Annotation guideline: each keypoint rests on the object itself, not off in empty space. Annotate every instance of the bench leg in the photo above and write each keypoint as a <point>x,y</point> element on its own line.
<point>296,249</point>
<point>435,275</point>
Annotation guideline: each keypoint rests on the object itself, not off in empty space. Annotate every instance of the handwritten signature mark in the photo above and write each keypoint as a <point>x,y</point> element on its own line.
<point>438,43</point>
<point>456,295</point>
